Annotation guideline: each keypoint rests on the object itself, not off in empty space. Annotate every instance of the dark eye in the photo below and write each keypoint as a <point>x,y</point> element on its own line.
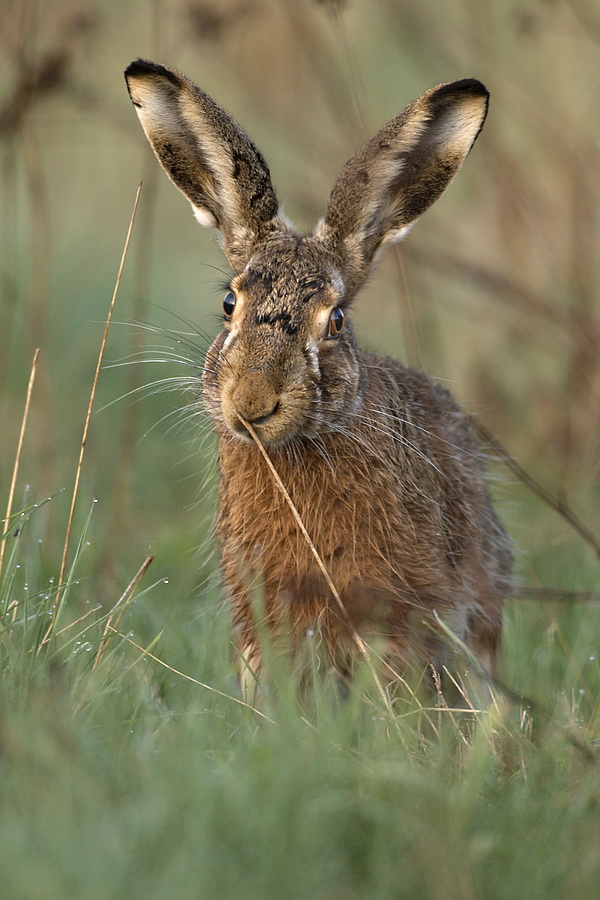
<point>229,304</point>
<point>336,322</point>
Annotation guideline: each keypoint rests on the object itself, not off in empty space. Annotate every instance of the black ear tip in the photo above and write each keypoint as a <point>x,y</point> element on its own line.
<point>141,68</point>
<point>472,86</point>
<point>465,87</point>
<point>138,67</point>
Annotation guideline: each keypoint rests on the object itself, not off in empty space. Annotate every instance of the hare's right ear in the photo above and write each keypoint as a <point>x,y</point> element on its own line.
<point>207,156</point>
<point>399,173</point>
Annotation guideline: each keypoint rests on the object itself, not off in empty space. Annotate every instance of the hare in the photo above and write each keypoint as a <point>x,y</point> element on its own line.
<point>379,461</point>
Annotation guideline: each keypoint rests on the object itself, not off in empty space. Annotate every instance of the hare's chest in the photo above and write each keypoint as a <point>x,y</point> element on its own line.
<point>314,515</point>
<point>285,528</point>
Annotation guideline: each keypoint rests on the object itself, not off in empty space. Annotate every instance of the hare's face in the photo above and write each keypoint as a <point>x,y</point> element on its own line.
<point>285,360</point>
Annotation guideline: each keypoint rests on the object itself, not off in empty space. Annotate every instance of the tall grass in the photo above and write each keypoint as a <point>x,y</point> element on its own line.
<point>129,765</point>
<point>144,774</point>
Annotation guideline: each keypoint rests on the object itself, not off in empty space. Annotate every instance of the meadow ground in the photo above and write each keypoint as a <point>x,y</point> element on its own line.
<point>128,765</point>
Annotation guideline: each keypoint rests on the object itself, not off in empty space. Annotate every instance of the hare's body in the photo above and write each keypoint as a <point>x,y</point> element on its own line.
<point>378,460</point>
<point>398,540</point>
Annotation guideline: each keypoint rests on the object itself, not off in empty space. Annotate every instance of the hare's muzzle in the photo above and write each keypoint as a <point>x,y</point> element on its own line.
<point>254,398</point>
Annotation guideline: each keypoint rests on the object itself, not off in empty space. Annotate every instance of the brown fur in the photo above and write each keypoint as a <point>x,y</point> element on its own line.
<point>379,461</point>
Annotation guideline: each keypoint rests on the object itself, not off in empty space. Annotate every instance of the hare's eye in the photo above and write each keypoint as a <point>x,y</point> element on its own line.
<point>336,322</point>
<point>229,304</point>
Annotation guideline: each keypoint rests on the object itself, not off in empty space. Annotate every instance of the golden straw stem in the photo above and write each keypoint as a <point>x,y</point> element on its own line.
<point>202,684</point>
<point>298,519</point>
<point>15,473</point>
<point>121,605</point>
<point>86,426</point>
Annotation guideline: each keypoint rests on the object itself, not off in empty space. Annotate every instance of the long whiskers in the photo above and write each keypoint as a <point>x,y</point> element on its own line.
<point>374,449</point>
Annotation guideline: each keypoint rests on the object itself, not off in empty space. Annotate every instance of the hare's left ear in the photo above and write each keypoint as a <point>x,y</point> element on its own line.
<point>207,156</point>
<point>399,173</point>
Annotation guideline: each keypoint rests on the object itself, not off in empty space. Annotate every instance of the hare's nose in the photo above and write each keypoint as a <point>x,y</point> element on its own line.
<point>254,397</point>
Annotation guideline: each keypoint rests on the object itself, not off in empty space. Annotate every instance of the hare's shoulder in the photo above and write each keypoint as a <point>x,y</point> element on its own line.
<point>412,400</point>
<point>402,385</point>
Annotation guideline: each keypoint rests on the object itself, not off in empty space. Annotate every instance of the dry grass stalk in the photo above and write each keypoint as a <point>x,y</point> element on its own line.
<point>208,687</point>
<point>407,313</point>
<point>86,426</point>
<point>533,706</point>
<point>15,473</point>
<point>569,654</point>
<point>554,503</point>
<point>121,606</point>
<point>146,219</point>
<point>519,298</point>
<point>362,646</point>
<point>81,619</point>
<point>555,595</point>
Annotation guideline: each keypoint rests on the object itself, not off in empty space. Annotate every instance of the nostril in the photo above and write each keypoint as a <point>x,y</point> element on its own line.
<point>258,420</point>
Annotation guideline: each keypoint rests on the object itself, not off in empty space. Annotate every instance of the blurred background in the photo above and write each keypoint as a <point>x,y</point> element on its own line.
<point>495,292</point>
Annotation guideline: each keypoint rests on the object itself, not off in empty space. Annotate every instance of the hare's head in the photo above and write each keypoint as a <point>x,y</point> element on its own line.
<point>286,359</point>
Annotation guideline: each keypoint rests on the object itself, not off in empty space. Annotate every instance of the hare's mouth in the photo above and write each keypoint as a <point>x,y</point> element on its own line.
<point>271,430</point>
<point>260,420</point>
<point>252,406</point>
<point>281,424</point>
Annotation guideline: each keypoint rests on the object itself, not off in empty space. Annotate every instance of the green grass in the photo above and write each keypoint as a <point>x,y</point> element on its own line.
<point>132,779</point>
<point>137,771</point>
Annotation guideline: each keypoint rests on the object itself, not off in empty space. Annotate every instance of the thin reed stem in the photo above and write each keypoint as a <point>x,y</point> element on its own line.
<point>407,313</point>
<point>87,422</point>
<point>589,752</point>
<point>15,473</point>
<point>554,503</point>
<point>121,606</point>
<point>208,687</point>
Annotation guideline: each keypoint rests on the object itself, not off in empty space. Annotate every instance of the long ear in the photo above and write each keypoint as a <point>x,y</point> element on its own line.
<point>400,172</point>
<point>207,156</point>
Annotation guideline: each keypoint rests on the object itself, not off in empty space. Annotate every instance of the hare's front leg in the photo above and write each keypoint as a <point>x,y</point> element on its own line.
<point>249,671</point>
<point>247,644</point>
<point>472,672</point>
